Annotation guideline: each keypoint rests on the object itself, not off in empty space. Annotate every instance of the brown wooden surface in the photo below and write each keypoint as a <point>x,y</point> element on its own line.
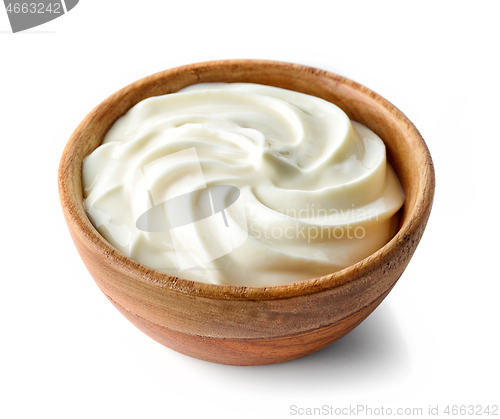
<point>226,313</point>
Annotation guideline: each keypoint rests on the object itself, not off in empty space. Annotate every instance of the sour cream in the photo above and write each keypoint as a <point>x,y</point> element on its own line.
<point>242,184</point>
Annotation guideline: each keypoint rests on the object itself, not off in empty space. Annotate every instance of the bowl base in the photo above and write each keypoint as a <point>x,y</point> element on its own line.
<point>248,352</point>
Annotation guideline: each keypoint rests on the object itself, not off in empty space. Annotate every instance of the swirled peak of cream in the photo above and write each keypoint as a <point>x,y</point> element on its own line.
<point>242,184</point>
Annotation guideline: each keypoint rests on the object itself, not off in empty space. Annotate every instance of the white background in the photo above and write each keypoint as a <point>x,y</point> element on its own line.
<point>65,352</point>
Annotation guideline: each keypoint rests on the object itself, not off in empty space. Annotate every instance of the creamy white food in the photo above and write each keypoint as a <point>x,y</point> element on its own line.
<point>312,191</point>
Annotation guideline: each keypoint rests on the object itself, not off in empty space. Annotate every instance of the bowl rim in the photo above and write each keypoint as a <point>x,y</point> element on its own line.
<point>79,223</point>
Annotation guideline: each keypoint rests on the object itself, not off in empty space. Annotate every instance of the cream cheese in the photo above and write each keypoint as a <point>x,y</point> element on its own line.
<point>242,184</point>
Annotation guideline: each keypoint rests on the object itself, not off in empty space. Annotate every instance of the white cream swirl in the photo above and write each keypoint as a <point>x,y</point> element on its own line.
<point>317,190</point>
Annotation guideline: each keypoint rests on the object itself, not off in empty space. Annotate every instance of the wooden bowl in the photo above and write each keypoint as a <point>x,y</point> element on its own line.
<point>251,325</point>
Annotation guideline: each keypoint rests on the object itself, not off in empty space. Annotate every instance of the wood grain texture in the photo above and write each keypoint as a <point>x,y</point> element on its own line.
<point>225,314</point>
<point>247,352</point>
